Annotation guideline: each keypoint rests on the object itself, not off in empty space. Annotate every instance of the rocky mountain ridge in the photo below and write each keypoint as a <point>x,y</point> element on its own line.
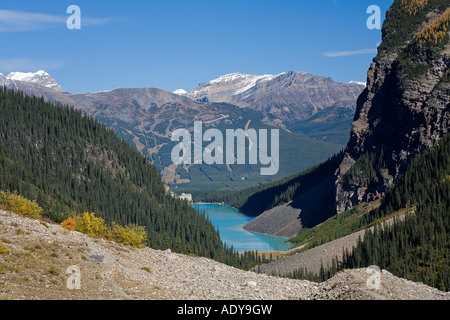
<point>146,118</point>
<point>288,96</point>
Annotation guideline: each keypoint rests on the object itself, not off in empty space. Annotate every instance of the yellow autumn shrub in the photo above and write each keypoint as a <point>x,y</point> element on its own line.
<point>129,235</point>
<point>89,224</point>
<point>69,223</point>
<point>19,205</point>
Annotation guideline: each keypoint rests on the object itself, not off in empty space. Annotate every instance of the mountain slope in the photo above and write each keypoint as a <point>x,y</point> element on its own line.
<point>146,118</point>
<point>407,232</point>
<point>417,248</point>
<point>286,206</point>
<point>70,163</point>
<point>40,77</point>
<point>35,269</point>
<point>299,101</point>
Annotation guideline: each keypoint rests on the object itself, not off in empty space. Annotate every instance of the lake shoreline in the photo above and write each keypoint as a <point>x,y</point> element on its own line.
<point>230,222</point>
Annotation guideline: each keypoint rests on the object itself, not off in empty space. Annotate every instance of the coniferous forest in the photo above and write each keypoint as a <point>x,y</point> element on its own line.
<point>267,196</point>
<point>416,247</point>
<point>70,163</point>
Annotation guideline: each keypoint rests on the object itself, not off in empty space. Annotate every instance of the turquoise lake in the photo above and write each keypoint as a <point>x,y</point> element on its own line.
<point>230,222</point>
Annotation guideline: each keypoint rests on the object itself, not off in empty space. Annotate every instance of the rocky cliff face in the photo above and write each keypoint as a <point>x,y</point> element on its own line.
<point>405,107</point>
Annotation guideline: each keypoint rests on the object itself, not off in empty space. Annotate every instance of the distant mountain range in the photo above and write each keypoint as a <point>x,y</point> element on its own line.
<point>289,96</point>
<point>313,113</point>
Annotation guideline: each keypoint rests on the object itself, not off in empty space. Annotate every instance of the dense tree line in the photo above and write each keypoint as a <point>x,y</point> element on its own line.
<point>69,163</point>
<point>267,196</point>
<point>417,248</point>
<point>325,272</point>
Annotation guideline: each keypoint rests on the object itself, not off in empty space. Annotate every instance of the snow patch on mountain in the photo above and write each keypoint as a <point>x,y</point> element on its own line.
<point>252,81</point>
<point>181,92</point>
<point>235,83</point>
<point>358,82</point>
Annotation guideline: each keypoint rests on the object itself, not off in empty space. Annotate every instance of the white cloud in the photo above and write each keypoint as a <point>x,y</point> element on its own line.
<point>26,64</point>
<point>15,21</point>
<point>349,53</point>
<point>95,21</point>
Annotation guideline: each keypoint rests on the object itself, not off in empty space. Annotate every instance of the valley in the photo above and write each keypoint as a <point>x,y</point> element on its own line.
<point>361,188</point>
<point>147,117</point>
<point>397,158</point>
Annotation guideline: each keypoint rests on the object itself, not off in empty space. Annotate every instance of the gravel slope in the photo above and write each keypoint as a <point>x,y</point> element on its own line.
<point>39,254</point>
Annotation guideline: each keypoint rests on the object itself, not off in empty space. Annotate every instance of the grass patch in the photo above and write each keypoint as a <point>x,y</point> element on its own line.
<point>4,250</point>
<point>55,270</point>
<point>5,240</point>
<point>146,269</point>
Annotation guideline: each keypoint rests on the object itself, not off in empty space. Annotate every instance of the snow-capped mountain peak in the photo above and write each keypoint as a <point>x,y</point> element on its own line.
<point>241,79</point>
<point>230,84</point>
<point>27,76</point>
<point>40,77</point>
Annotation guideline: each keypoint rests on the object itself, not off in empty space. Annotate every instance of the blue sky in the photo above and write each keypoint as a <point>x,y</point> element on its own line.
<point>174,44</point>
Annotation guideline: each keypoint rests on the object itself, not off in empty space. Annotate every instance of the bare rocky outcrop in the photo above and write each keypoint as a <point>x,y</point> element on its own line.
<point>40,258</point>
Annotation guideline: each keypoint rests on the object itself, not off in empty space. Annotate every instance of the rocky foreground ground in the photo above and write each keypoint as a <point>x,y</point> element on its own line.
<point>40,260</point>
